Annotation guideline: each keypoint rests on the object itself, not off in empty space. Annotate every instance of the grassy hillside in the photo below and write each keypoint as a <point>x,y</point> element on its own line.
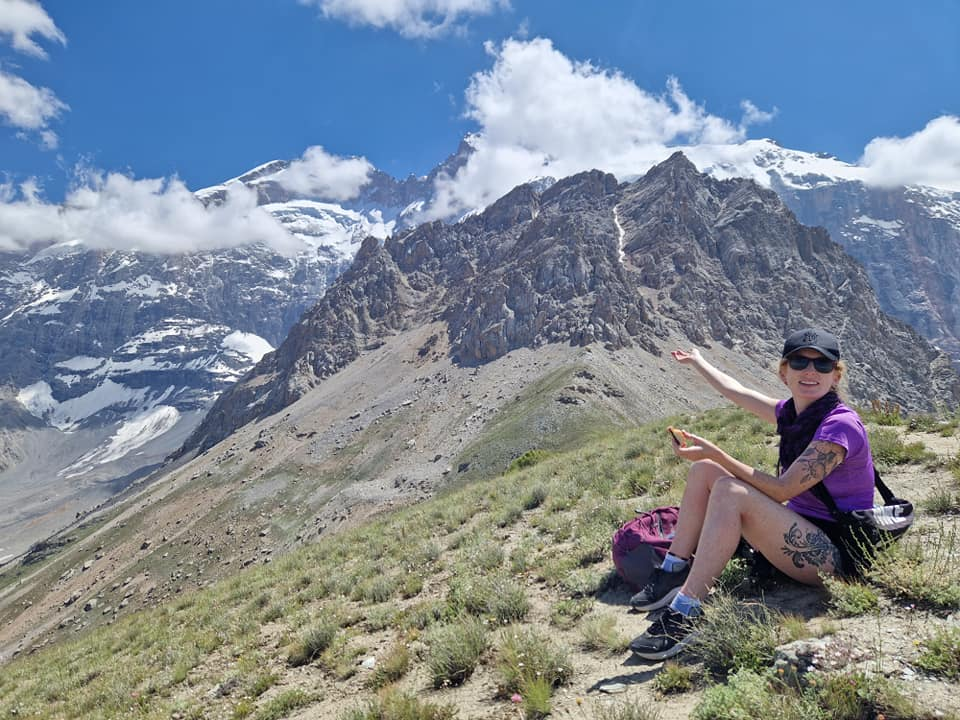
<point>497,599</point>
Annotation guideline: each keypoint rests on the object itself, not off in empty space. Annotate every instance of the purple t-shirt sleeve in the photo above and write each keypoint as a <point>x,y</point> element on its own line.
<point>851,482</point>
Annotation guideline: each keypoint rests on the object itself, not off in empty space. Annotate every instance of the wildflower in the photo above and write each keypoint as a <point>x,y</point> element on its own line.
<point>516,698</point>
<point>579,701</point>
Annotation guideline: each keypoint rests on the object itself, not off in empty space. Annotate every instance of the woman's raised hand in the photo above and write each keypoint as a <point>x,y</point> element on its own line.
<point>686,356</point>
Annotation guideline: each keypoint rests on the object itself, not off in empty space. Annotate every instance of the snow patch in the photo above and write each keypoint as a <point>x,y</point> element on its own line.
<point>79,363</point>
<point>249,344</point>
<point>37,399</point>
<point>889,227</point>
<point>134,433</point>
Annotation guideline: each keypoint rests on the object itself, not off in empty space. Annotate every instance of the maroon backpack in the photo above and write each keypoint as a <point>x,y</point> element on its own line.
<point>640,545</point>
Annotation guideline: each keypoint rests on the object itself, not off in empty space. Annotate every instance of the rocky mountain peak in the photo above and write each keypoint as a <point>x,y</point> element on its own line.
<point>591,261</point>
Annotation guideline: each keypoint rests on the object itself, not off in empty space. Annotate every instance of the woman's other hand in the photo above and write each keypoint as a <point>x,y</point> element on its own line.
<point>697,448</point>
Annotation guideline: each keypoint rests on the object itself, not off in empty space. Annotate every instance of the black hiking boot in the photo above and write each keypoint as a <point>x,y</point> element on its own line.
<point>661,589</point>
<point>667,636</point>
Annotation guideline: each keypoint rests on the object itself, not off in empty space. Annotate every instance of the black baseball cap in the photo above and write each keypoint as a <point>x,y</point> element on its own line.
<point>815,339</point>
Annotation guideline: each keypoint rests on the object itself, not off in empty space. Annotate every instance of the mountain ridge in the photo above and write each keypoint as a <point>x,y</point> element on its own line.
<point>537,268</point>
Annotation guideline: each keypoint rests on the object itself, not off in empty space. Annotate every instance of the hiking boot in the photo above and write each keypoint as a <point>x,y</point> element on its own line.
<point>661,589</point>
<point>667,636</point>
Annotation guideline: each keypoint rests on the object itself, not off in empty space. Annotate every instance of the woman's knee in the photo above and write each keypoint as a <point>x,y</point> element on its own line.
<point>707,473</point>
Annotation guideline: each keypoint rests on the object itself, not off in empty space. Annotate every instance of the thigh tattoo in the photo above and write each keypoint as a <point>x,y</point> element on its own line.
<point>813,548</point>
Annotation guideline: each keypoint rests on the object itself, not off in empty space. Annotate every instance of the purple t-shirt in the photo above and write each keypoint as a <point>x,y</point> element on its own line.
<point>851,482</point>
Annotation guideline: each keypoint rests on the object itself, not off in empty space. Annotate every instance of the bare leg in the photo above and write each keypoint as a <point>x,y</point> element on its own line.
<point>693,506</point>
<point>790,542</point>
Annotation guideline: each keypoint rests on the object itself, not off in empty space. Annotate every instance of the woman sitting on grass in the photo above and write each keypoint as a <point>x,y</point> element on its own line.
<point>725,499</point>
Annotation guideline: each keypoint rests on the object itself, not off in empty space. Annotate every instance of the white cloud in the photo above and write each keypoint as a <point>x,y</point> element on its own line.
<point>22,18</point>
<point>930,156</point>
<point>752,115</point>
<point>541,113</point>
<point>25,106</point>
<point>410,18</point>
<point>318,173</point>
<point>152,215</point>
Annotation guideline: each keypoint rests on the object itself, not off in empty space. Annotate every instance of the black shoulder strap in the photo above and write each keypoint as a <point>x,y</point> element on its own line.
<point>824,496</point>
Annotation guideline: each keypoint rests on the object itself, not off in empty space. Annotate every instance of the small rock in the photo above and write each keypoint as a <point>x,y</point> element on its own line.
<point>369,663</point>
<point>612,688</point>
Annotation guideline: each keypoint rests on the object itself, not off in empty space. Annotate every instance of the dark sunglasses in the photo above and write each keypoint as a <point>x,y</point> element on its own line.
<point>820,364</point>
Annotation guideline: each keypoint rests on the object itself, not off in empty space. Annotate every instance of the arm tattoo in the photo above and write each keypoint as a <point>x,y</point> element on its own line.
<point>813,548</point>
<point>816,463</point>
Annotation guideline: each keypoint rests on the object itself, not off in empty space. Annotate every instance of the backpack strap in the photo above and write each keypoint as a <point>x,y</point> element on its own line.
<point>824,496</point>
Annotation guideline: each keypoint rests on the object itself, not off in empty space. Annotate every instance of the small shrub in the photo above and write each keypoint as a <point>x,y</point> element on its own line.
<point>933,424</point>
<point>626,711</point>
<point>524,655</point>
<point>392,666</point>
<point>750,694</point>
<point>340,659</point>
<point>566,613</point>
<point>528,459</point>
<point>498,597</point>
<point>885,413</point>
<point>376,590</point>
<point>921,568</point>
<point>313,642</point>
<point>793,627</point>
<point>599,633</point>
<point>487,556</point>
<point>673,679</point>
<point>942,501</point>
<point>411,586</point>
<point>283,704</point>
<point>889,449</point>
<point>273,612</point>
<point>849,599</point>
<point>856,695</point>
<point>734,636</point>
<point>536,696</point>
<point>261,683</point>
<point>455,650</point>
<point>395,705</point>
<point>953,465</point>
<point>521,558</point>
<point>941,654</point>
<point>509,515</point>
<point>588,582</point>
<point>535,497</point>
<point>424,614</point>
<point>382,617</point>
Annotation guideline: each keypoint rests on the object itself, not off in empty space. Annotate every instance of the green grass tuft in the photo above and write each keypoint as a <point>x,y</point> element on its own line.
<point>455,650</point>
<point>941,653</point>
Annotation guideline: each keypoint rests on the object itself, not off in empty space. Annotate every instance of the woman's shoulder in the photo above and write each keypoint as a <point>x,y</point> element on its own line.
<point>842,424</point>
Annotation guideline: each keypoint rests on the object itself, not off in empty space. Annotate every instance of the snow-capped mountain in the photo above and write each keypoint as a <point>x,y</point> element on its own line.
<point>110,359</point>
<point>907,237</point>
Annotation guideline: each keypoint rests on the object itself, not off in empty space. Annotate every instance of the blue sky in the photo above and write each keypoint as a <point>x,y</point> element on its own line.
<point>202,90</point>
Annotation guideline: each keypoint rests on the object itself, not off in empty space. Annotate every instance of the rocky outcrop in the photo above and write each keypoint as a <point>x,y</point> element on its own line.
<point>908,240</point>
<point>591,261</point>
